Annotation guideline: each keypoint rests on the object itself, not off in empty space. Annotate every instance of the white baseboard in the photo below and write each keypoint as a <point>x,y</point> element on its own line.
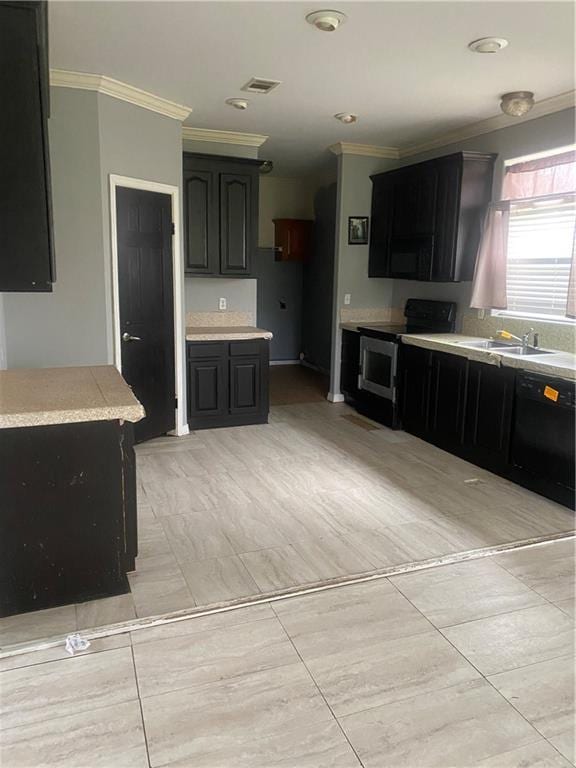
<point>181,430</point>
<point>335,397</point>
<point>284,362</point>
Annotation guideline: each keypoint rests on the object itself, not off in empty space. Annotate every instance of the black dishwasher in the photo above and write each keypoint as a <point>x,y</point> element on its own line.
<point>543,434</point>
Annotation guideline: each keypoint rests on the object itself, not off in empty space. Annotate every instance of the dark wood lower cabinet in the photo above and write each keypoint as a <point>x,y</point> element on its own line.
<point>68,514</point>
<point>467,408</point>
<point>207,388</point>
<point>227,383</point>
<point>488,423</point>
<point>245,379</point>
<point>414,386</point>
<point>350,364</point>
<point>447,399</point>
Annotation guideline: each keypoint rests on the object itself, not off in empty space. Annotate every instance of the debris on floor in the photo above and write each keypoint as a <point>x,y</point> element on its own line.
<point>76,643</point>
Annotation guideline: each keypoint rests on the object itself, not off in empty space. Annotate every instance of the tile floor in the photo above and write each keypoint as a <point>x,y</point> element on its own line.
<point>464,665</point>
<point>319,493</point>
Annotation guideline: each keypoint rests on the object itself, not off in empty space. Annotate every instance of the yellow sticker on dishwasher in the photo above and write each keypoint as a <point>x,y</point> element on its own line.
<point>551,394</point>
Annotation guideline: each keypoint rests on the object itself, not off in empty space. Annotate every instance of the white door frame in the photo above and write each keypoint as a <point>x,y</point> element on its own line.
<point>177,276</point>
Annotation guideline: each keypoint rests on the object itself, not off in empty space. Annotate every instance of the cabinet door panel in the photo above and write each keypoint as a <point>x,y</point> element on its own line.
<point>207,390</point>
<point>201,228</point>
<point>446,219</point>
<point>447,399</point>
<point>236,211</point>
<point>245,379</point>
<point>489,413</point>
<point>350,363</point>
<point>414,389</point>
<point>380,228</point>
<point>414,202</point>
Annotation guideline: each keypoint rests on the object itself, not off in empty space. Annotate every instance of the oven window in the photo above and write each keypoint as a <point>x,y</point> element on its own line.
<point>378,368</point>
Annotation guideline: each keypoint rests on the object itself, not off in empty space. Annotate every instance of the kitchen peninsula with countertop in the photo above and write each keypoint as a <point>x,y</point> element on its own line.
<point>67,484</point>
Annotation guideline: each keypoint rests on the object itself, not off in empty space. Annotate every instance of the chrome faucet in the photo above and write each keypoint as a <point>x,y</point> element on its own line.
<point>524,339</point>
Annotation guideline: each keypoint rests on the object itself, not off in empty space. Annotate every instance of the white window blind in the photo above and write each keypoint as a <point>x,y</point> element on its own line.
<point>540,242</point>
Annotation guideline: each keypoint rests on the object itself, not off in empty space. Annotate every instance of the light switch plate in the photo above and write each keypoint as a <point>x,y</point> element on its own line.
<point>347,298</point>
<point>222,303</point>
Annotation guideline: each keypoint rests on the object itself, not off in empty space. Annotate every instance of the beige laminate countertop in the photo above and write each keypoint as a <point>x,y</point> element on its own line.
<point>32,397</point>
<point>561,364</point>
<point>226,333</point>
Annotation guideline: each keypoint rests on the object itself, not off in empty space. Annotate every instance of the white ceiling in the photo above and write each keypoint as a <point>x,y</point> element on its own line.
<point>403,67</point>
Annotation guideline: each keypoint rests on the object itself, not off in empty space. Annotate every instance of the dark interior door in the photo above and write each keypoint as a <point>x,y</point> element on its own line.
<point>144,231</point>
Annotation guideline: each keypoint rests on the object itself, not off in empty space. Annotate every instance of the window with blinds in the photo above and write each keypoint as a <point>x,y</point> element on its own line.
<point>540,242</point>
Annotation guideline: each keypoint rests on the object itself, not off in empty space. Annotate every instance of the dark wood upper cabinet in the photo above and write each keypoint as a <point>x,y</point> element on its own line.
<point>220,214</point>
<point>201,221</point>
<point>293,239</point>
<point>26,245</point>
<point>427,218</point>
<point>236,226</point>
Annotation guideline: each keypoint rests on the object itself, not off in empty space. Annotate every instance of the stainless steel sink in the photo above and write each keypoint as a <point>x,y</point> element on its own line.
<point>488,344</point>
<point>525,351</point>
<point>504,347</point>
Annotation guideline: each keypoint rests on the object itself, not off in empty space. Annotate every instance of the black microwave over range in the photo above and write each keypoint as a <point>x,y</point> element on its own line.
<point>379,344</point>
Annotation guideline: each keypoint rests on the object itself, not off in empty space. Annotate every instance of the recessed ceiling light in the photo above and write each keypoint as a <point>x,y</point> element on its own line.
<point>517,103</point>
<point>488,44</point>
<point>346,117</point>
<point>237,103</point>
<point>326,21</point>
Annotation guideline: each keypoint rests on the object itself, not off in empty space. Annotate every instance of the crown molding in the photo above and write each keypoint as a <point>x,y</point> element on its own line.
<point>87,81</point>
<point>223,137</point>
<point>365,150</point>
<point>496,123</point>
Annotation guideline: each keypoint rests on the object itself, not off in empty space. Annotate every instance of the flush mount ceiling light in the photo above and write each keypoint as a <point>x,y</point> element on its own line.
<point>517,103</point>
<point>237,103</point>
<point>346,117</point>
<point>326,21</point>
<point>488,44</point>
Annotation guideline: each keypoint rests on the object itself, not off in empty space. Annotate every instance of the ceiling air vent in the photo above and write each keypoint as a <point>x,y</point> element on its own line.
<point>259,85</point>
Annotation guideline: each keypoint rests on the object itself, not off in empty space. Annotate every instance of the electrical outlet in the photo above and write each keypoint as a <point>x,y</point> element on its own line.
<point>347,298</point>
<point>222,303</point>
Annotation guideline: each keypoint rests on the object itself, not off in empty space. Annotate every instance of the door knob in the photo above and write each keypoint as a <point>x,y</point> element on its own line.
<point>127,337</point>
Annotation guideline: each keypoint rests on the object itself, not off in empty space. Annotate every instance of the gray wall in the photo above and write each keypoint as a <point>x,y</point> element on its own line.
<point>280,303</point>
<point>68,326</point>
<point>91,136</point>
<point>318,284</point>
<point>202,294</point>
<point>351,265</point>
<point>140,144</point>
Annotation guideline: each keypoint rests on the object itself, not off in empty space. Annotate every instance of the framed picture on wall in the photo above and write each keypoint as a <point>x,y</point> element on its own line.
<point>357,230</point>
